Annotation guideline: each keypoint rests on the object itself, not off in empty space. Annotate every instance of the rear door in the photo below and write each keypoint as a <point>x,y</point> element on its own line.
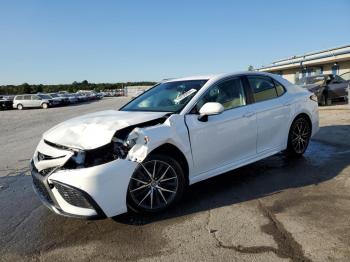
<point>227,137</point>
<point>27,101</point>
<point>36,101</point>
<point>272,111</point>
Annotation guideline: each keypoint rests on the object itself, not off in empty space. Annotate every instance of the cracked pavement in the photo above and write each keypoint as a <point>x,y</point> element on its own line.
<point>277,209</point>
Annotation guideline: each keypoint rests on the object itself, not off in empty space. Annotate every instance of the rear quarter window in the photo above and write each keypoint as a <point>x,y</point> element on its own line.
<point>263,88</point>
<point>280,89</point>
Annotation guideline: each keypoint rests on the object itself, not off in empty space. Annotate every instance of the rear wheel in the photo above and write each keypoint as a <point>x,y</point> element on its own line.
<point>157,183</point>
<point>299,137</point>
<point>19,106</point>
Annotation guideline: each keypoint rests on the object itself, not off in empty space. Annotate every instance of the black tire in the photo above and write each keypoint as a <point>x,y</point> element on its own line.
<point>325,101</point>
<point>141,188</point>
<point>328,101</point>
<point>44,106</point>
<point>298,137</point>
<point>20,107</point>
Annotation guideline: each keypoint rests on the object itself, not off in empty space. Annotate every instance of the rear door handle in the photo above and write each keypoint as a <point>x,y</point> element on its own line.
<point>249,114</point>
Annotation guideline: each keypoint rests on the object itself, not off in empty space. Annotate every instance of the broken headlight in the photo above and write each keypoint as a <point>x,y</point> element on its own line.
<point>79,158</point>
<point>98,156</point>
<point>118,148</point>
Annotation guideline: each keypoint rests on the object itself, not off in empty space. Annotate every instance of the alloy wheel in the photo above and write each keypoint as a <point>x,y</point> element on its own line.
<point>300,135</point>
<point>153,185</point>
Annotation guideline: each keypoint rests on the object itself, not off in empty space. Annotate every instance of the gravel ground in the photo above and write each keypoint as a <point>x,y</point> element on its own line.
<point>274,210</point>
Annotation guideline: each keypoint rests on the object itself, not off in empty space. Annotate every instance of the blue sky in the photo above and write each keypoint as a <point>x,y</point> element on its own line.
<point>63,41</point>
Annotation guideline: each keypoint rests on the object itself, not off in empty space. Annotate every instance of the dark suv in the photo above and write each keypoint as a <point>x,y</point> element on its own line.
<point>327,88</point>
<point>6,102</point>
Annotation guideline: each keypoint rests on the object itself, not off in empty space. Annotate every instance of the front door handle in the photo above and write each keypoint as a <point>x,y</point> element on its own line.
<point>249,114</point>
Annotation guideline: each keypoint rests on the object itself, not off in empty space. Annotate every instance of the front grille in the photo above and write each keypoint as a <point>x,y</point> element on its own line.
<point>72,195</point>
<point>40,187</point>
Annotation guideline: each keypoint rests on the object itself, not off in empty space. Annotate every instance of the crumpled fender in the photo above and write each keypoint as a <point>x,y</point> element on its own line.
<point>172,131</point>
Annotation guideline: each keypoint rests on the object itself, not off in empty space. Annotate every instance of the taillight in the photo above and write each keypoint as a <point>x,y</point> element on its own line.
<point>314,98</point>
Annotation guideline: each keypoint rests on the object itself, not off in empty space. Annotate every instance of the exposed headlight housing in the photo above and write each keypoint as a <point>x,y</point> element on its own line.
<point>314,98</point>
<point>98,156</point>
<point>79,158</point>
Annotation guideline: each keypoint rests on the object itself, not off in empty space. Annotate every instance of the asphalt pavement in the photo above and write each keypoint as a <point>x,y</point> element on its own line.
<point>277,209</point>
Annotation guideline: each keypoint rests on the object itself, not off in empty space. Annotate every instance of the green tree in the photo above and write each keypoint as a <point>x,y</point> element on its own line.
<point>26,88</point>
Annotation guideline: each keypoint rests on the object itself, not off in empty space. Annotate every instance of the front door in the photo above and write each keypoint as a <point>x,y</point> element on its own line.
<point>227,137</point>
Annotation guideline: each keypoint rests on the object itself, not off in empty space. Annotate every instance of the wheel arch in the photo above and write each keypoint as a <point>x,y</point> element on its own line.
<point>173,151</point>
<point>304,115</point>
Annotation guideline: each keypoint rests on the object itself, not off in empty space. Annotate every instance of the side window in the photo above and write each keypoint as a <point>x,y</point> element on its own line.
<point>19,98</point>
<point>279,88</point>
<point>263,88</point>
<point>26,97</point>
<point>35,97</point>
<point>229,93</point>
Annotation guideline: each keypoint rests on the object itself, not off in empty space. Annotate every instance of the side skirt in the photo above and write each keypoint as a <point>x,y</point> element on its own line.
<point>234,165</point>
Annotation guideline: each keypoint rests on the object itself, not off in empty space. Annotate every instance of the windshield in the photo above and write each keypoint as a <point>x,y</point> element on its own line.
<point>44,96</point>
<point>166,97</point>
<point>53,95</point>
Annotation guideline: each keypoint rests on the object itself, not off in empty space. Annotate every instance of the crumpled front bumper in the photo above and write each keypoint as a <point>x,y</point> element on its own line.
<point>93,192</point>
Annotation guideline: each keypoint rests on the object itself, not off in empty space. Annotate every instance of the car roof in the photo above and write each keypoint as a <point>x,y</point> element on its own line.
<point>218,76</point>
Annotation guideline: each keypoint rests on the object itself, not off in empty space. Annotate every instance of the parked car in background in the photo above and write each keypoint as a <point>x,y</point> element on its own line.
<point>71,97</point>
<point>60,99</point>
<point>90,94</point>
<point>120,92</point>
<point>110,93</point>
<point>29,101</point>
<point>327,88</point>
<point>182,131</point>
<point>99,95</point>
<point>81,97</point>
<point>9,97</point>
<point>5,103</point>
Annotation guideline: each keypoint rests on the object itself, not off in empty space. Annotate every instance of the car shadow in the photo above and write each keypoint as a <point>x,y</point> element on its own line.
<point>29,228</point>
<point>263,178</point>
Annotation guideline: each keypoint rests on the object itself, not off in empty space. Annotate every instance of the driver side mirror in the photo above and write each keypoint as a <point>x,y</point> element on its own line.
<point>209,109</point>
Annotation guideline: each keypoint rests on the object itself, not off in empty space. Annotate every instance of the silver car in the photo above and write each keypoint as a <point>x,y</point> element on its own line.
<point>27,101</point>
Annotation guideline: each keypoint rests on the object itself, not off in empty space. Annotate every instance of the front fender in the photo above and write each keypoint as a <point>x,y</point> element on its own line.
<point>172,131</point>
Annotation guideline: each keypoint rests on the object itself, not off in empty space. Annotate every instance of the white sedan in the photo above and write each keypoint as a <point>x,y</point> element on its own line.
<point>182,131</point>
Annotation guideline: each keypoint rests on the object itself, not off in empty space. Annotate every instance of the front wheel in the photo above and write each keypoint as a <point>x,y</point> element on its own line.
<point>157,183</point>
<point>299,137</point>
<point>19,107</point>
<point>45,106</point>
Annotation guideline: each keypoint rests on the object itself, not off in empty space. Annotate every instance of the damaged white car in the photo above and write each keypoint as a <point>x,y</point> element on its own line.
<point>143,156</point>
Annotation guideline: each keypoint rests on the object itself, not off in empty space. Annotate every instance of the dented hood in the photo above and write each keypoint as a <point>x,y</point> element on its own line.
<point>97,129</point>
